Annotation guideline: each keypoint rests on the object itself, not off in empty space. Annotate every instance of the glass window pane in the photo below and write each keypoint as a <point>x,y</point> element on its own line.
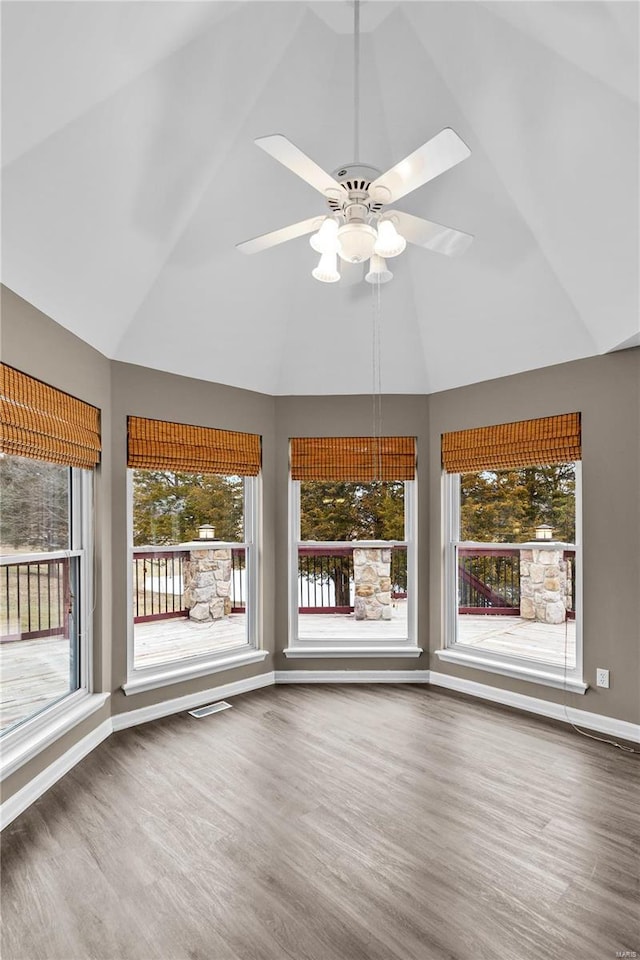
<point>35,514</point>
<point>190,593</point>
<point>351,590</point>
<point>519,599</point>
<point>39,598</point>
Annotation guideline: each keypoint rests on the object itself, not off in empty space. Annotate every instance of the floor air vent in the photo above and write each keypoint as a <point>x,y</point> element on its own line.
<point>212,708</point>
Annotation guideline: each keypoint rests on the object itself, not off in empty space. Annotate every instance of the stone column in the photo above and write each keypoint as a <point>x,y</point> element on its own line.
<point>544,593</point>
<point>372,581</point>
<point>207,583</point>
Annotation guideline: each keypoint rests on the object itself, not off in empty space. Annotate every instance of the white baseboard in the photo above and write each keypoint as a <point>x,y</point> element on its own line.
<point>336,652</point>
<point>143,714</point>
<point>351,676</point>
<point>19,802</point>
<point>544,708</point>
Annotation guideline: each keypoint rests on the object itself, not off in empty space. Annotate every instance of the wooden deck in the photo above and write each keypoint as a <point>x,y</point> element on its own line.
<point>517,637</point>
<point>36,672</point>
<point>163,641</point>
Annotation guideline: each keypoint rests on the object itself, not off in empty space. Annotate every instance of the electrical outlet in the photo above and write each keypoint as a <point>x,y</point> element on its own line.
<point>602,678</point>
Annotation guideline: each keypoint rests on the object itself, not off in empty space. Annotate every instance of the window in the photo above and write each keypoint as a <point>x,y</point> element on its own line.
<point>352,566</point>
<point>512,555</point>
<point>46,547</point>
<point>194,549</point>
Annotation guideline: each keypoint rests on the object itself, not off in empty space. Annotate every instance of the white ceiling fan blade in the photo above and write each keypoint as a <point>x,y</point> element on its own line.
<point>257,244</point>
<point>435,156</point>
<point>433,236</point>
<point>299,163</point>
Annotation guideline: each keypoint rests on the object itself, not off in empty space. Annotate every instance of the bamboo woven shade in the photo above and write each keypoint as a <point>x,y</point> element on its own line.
<point>525,443</point>
<point>43,423</point>
<point>161,445</point>
<point>359,459</point>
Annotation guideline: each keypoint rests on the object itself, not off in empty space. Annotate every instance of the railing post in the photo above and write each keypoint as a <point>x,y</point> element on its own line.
<point>66,593</point>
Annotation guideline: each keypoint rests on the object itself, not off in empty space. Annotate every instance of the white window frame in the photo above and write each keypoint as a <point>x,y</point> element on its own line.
<point>522,668</point>
<point>34,734</point>
<point>140,679</point>
<point>309,647</point>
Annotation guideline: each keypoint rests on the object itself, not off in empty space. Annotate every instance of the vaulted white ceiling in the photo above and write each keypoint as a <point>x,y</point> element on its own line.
<point>130,173</point>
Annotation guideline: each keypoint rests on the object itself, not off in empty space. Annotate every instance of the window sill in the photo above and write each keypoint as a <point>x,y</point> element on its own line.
<point>532,674</point>
<point>352,653</point>
<point>163,677</point>
<point>27,741</point>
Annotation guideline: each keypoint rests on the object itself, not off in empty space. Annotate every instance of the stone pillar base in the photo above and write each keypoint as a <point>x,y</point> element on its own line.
<point>543,585</point>
<point>372,581</point>
<point>207,587</point>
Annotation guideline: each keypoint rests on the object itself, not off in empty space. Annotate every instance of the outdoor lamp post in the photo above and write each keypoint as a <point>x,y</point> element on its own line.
<point>544,532</point>
<point>206,532</point>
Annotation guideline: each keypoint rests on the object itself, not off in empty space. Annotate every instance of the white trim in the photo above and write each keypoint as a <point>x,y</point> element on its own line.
<point>352,676</point>
<point>565,678</point>
<point>147,678</point>
<point>298,647</point>
<point>179,704</point>
<point>510,669</point>
<point>129,576</point>
<point>45,729</point>
<point>411,543</point>
<point>181,670</point>
<point>292,554</point>
<point>544,708</point>
<point>23,798</point>
<point>352,652</point>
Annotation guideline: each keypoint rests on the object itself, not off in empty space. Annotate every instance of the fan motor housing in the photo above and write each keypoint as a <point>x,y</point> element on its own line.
<point>355,179</point>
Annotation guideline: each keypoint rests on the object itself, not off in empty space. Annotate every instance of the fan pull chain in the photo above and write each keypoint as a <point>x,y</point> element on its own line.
<point>376,386</point>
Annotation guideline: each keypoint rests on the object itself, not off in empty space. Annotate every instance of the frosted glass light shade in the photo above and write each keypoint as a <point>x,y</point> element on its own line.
<point>356,241</point>
<point>389,242</point>
<point>378,272</point>
<point>327,269</point>
<point>326,239</point>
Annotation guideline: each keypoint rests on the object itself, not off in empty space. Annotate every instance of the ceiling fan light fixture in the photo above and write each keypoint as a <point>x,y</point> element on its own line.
<point>327,269</point>
<point>389,242</point>
<point>326,239</point>
<point>357,241</point>
<point>378,272</point>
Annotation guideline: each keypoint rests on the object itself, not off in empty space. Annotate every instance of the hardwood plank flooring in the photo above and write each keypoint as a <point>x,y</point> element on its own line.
<point>332,823</point>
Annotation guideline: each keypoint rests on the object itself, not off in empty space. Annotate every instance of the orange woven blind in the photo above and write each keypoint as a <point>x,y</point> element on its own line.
<point>358,459</point>
<point>525,443</point>
<point>43,423</point>
<point>161,445</point>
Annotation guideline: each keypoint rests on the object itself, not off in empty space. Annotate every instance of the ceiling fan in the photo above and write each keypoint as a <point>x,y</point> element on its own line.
<point>358,227</point>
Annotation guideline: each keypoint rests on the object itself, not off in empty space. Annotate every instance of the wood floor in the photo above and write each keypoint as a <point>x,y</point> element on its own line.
<point>332,823</point>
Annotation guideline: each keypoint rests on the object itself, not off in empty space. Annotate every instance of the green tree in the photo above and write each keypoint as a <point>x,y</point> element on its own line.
<point>507,505</point>
<point>169,507</point>
<point>345,511</point>
<point>35,504</point>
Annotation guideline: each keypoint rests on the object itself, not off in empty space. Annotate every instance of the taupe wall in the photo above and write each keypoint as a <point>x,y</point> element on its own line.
<point>606,390</point>
<point>32,342</point>
<point>163,396</point>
